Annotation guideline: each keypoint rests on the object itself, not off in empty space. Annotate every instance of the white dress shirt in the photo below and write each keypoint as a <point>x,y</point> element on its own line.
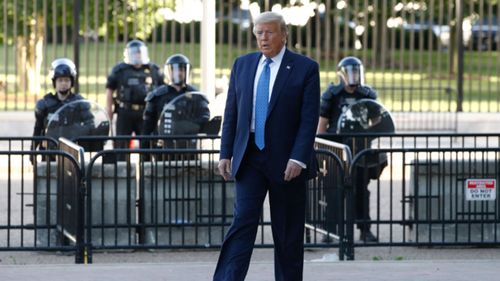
<point>273,67</point>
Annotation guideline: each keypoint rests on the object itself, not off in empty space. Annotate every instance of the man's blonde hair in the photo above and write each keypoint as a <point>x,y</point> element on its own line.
<point>267,17</point>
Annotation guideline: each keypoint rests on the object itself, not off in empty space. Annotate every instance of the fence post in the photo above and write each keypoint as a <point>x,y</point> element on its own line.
<point>460,55</point>
<point>347,242</point>
<point>208,49</point>
<point>76,40</point>
<point>81,255</point>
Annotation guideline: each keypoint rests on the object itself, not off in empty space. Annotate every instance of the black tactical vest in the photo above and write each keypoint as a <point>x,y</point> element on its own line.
<point>136,83</point>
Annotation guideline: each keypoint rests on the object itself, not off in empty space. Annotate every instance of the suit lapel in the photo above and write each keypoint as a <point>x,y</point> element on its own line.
<point>248,96</point>
<point>283,73</point>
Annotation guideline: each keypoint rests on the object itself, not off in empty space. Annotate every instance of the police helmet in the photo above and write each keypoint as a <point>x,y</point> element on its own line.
<point>351,71</point>
<point>177,69</point>
<point>62,67</point>
<point>136,53</point>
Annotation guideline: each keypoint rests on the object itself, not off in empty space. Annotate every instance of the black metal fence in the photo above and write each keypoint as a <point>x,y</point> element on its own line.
<point>411,50</point>
<point>325,211</point>
<point>32,216</point>
<point>425,198</point>
<point>154,198</point>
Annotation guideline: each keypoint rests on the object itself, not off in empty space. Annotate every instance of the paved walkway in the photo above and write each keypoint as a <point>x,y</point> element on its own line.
<point>372,264</point>
<point>262,271</point>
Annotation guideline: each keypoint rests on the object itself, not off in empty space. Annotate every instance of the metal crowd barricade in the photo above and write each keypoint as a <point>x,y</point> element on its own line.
<point>29,217</point>
<point>157,197</point>
<point>325,197</point>
<point>421,199</point>
<point>25,143</point>
<point>174,198</point>
<point>421,202</point>
<point>71,198</point>
<point>181,202</point>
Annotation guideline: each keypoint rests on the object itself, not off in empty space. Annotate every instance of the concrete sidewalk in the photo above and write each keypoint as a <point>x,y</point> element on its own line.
<point>262,271</point>
<point>372,263</point>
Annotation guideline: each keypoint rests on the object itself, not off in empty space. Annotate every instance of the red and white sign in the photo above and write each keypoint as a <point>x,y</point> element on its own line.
<point>481,189</point>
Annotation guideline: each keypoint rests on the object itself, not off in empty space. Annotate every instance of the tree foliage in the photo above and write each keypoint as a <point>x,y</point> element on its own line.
<point>126,18</point>
<point>28,24</point>
<point>419,11</point>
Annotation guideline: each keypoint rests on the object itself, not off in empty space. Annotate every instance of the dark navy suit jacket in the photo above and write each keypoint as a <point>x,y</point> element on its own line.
<point>292,116</point>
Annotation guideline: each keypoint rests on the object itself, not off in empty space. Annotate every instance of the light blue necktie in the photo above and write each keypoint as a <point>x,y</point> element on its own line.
<point>261,102</point>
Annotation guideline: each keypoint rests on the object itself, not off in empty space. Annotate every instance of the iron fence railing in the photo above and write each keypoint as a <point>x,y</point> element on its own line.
<point>173,197</point>
<point>403,45</point>
<point>423,198</point>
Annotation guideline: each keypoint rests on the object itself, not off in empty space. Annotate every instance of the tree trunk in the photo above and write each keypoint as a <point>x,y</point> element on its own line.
<point>29,55</point>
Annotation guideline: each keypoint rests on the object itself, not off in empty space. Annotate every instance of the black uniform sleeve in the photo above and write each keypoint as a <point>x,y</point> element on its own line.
<point>159,76</point>
<point>40,117</point>
<point>367,92</point>
<point>154,105</point>
<point>113,78</point>
<point>325,108</point>
<point>149,117</point>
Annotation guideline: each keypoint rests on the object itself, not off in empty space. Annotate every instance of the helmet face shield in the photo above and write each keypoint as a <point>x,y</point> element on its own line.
<point>136,55</point>
<point>178,73</point>
<point>352,75</point>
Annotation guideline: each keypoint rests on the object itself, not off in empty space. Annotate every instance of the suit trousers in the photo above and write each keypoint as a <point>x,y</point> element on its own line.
<point>287,202</point>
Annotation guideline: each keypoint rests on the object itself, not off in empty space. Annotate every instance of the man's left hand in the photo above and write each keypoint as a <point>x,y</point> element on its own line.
<point>292,170</point>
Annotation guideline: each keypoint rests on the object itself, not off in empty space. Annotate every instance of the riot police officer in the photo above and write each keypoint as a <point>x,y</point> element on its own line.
<point>335,101</point>
<point>337,98</point>
<point>132,79</point>
<point>177,70</point>
<point>63,76</point>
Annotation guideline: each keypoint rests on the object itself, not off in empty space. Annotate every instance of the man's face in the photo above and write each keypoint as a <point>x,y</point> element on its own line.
<point>270,38</point>
<point>181,74</point>
<point>177,74</point>
<point>351,76</point>
<point>63,84</point>
<point>136,56</point>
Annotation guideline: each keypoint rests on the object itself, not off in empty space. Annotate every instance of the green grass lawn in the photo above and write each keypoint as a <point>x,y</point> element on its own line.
<point>406,81</point>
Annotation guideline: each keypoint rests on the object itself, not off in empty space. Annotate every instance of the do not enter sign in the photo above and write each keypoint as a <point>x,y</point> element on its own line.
<point>480,189</point>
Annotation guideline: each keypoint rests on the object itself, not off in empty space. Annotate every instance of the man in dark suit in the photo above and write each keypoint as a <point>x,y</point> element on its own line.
<point>268,133</point>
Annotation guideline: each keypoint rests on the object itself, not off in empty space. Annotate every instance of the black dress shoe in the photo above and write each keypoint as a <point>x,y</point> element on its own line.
<point>367,236</point>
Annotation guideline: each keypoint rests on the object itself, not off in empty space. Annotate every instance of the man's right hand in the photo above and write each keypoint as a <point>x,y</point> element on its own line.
<point>225,168</point>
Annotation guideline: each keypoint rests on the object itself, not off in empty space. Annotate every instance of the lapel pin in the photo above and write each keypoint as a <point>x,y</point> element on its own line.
<point>287,67</point>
